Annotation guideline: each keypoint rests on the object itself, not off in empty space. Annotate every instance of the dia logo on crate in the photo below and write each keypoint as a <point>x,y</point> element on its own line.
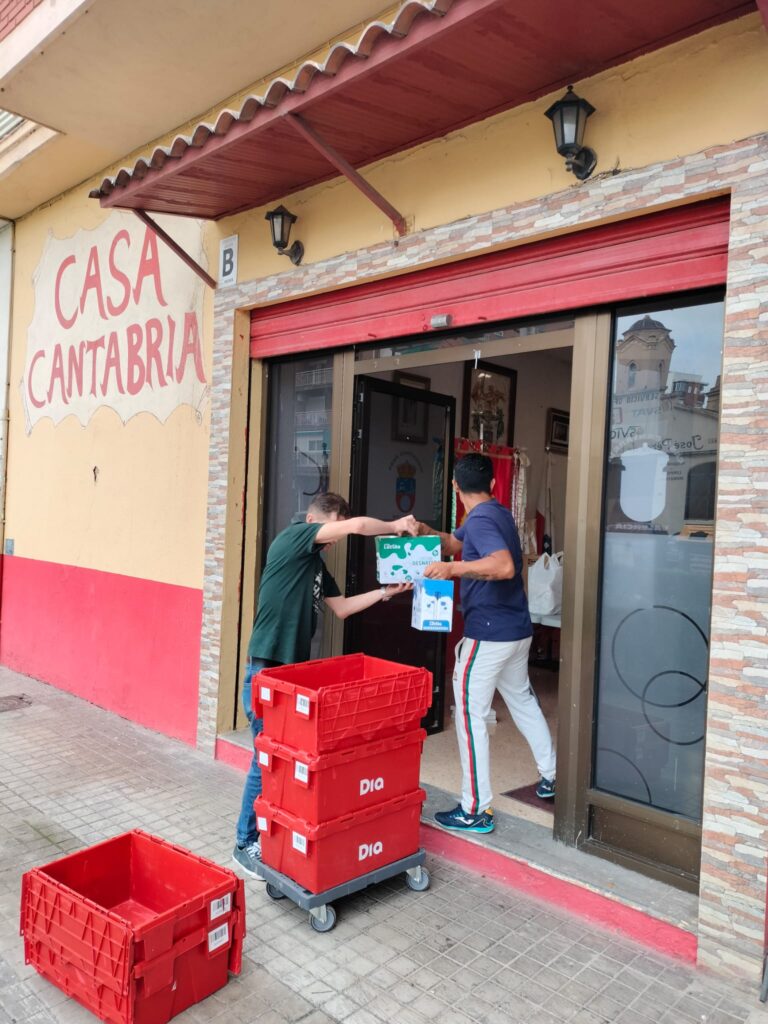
<point>366,850</point>
<point>371,786</point>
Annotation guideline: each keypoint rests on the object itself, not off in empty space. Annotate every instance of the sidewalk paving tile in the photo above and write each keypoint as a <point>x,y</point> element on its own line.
<point>468,951</point>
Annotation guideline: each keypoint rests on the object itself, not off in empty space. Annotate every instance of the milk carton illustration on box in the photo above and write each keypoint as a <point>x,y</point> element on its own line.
<point>404,559</point>
<point>432,606</point>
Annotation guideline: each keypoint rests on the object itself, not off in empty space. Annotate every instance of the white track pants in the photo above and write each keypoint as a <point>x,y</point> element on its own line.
<point>482,667</point>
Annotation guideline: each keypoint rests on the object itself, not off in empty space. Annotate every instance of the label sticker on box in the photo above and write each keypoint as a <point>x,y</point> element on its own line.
<point>302,704</point>
<point>265,693</point>
<point>264,758</point>
<point>261,824</point>
<point>299,842</point>
<point>218,937</point>
<point>221,906</point>
<point>301,772</point>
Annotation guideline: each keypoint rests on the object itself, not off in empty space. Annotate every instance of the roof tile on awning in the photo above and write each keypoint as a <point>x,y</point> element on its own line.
<point>438,65</point>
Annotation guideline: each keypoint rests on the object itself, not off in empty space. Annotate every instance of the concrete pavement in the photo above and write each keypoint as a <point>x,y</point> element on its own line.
<point>468,951</point>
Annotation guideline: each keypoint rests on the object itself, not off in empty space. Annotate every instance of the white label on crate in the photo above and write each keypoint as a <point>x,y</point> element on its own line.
<point>218,937</point>
<point>299,842</point>
<point>302,704</point>
<point>261,824</point>
<point>264,758</point>
<point>222,906</point>
<point>266,693</point>
<point>366,850</point>
<point>301,772</point>
<point>371,786</point>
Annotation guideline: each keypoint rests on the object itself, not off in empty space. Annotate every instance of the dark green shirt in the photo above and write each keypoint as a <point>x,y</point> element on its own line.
<point>294,582</point>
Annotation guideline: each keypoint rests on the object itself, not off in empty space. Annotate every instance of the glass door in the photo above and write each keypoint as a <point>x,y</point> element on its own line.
<point>655,584</point>
<point>402,444</point>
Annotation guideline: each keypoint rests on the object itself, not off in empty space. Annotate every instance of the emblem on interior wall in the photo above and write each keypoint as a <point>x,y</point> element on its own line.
<point>405,487</point>
<point>117,322</point>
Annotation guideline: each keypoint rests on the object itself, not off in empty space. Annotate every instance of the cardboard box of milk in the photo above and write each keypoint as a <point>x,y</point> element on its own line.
<point>404,559</point>
<point>432,606</point>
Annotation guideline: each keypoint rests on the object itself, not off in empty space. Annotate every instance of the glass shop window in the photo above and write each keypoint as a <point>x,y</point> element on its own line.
<point>657,554</point>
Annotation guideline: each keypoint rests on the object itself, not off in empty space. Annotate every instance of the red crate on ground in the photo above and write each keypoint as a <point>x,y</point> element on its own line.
<point>320,787</point>
<point>135,928</point>
<point>319,857</point>
<point>335,703</point>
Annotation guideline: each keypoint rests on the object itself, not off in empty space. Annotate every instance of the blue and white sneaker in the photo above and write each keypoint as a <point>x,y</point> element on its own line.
<point>460,821</point>
<point>546,789</point>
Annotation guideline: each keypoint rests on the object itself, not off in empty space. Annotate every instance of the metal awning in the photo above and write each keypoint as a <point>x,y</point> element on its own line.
<point>437,66</point>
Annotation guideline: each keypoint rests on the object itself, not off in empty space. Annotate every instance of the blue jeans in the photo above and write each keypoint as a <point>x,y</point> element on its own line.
<point>246,823</point>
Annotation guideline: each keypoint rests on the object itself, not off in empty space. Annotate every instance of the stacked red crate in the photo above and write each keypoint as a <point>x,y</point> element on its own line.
<point>339,756</point>
<point>135,928</point>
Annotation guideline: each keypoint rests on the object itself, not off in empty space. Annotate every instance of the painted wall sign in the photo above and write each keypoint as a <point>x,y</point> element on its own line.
<point>117,323</point>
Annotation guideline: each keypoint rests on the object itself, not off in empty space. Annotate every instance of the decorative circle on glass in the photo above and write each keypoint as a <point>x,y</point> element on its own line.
<point>647,647</point>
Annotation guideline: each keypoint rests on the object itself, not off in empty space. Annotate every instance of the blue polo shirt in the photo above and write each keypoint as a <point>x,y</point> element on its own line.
<point>493,609</point>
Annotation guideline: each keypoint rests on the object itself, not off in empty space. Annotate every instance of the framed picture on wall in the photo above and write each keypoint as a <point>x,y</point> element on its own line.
<point>410,416</point>
<point>558,423</point>
<point>488,412</point>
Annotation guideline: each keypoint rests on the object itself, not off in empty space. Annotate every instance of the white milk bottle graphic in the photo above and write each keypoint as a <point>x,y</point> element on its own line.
<point>643,489</point>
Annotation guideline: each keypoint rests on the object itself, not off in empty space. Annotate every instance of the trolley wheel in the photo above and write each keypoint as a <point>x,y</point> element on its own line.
<point>419,883</point>
<point>274,893</point>
<point>324,926</point>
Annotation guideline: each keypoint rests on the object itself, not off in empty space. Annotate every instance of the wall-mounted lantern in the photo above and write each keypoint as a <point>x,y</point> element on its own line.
<point>280,222</point>
<point>569,119</point>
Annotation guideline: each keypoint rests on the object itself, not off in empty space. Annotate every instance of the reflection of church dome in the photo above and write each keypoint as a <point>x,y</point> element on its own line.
<point>647,324</point>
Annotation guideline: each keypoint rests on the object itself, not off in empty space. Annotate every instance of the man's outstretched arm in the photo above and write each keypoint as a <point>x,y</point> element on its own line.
<point>343,607</point>
<point>364,526</point>
<point>499,565</point>
<point>449,545</point>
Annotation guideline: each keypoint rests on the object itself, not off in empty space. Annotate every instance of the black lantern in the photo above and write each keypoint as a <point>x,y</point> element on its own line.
<point>280,222</point>
<point>569,119</point>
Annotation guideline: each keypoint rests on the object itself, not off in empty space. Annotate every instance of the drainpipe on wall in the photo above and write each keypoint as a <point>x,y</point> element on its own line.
<point>6,294</point>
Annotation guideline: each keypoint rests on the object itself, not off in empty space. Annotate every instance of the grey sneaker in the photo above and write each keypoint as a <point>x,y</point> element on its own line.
<point>248,858</point>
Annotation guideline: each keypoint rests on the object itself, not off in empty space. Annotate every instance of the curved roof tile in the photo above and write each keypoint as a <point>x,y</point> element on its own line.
<point>277,89</point>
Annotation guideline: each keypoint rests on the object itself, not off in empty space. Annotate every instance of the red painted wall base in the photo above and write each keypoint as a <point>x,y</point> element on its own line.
<point>569,896</point>
<point>131,646</point>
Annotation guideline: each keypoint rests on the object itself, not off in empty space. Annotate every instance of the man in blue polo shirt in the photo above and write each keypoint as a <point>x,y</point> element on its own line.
<point>493,653</point>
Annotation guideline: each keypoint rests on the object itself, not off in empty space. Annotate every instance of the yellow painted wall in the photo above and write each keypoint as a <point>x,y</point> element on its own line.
<point>146,514</point>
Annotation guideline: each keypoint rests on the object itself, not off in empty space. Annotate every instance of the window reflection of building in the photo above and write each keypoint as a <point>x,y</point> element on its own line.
<point>312,429</point>
<point>672,412</point>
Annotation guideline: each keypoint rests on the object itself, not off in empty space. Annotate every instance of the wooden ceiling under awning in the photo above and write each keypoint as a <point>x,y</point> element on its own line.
<point>441,64</point>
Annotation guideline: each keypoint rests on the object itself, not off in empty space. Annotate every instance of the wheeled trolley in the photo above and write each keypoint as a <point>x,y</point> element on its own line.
<point>322,916</point>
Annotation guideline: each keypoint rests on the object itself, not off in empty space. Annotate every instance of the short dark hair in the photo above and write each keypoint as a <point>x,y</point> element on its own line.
<point>328,503</point>
<point>473,474</point>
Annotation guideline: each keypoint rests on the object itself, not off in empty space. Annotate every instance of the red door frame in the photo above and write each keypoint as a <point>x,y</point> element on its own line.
<point>676,250</point>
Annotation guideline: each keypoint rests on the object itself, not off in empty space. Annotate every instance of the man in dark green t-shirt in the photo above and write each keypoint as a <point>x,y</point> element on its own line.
<point>293,584</point>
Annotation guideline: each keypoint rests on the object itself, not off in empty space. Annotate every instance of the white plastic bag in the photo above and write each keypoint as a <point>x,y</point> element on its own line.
<point>545,585</point>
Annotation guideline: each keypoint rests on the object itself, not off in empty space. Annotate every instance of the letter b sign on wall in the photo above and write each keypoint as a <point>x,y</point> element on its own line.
<point>228,261</point>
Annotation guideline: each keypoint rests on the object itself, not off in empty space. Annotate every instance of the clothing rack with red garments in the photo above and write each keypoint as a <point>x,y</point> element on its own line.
<point>509,471</point>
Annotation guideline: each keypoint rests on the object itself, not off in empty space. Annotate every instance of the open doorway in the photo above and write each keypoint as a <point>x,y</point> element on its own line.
<point>405,437</point>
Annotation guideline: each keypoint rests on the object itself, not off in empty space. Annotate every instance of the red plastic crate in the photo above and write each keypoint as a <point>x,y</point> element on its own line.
<point>336,703</point>
<point>135,928</point>
<point>318,857</point>
<point>320,787</point>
